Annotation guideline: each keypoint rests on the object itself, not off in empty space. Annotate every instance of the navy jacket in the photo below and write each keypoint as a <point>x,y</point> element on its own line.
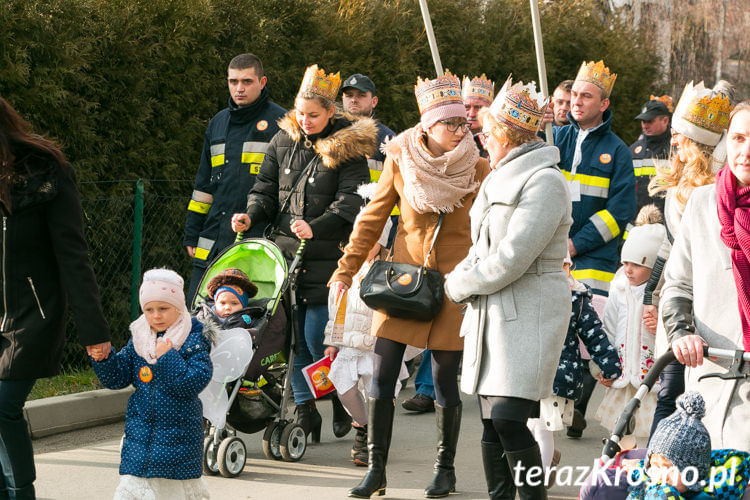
<point>645,150</point>
<point>164,419</point>
<point>584,324</point>
<point>233,149</point>
<point>607,204</point>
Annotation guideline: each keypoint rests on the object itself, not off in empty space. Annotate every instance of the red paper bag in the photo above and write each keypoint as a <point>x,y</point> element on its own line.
<point>316,376</point>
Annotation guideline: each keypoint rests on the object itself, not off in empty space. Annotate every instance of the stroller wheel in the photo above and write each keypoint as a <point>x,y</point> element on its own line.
<point>231,457</point>
<point>293,442</point>
<point>210,464</point>
<point>271,441</point>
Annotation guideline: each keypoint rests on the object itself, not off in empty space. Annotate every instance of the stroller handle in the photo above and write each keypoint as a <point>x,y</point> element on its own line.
<point>611,445</point>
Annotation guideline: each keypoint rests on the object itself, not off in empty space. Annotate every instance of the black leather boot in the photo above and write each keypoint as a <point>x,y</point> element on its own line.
<point>379,429</point>
<point>342,421</point>
<point>499,476</point>
<point>310,420</point>
<point>530,457</point>
<point>448,422</point>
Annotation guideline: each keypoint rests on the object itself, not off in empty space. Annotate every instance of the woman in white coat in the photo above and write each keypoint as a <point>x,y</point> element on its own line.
<point>517,296</point>
<point>704,279</point>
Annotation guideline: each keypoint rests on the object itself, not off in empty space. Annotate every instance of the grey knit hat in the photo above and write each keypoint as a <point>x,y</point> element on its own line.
<point>683,439</point>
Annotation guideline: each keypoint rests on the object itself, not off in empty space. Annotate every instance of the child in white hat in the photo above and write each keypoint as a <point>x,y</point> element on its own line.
<point>623,322</point>
<point>167,361</point>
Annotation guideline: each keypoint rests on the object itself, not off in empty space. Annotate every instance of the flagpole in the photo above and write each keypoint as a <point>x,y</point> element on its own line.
<point>539,46</point>
<point>431,37</point>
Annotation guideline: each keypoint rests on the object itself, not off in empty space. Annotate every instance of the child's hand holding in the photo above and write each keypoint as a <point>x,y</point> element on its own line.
<point>162,346</point>
<point>99,352</point>
<point>649,318</point>
<point>331,352</point>
<point>606,382</point>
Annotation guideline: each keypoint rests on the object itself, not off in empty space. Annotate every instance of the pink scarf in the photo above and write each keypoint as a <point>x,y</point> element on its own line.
<point>733,204</point>
<point>144,337</point>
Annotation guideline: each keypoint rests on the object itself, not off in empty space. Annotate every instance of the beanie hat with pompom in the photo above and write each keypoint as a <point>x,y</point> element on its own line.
<point>683,439</point>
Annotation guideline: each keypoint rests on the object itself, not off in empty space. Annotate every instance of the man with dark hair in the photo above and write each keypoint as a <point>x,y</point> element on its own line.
<point>233,150</point>
<point>653,144</point>
<point>561,102</point>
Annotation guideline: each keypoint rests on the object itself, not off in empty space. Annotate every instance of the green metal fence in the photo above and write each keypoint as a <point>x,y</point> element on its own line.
<point>130,226</point>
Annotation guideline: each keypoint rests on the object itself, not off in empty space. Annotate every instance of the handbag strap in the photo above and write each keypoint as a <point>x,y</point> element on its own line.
<point>434,238</point>
<point>310,165</point>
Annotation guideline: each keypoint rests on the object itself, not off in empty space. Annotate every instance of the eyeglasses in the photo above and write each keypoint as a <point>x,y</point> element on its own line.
<point>454,126</point>
<point>483,138</point>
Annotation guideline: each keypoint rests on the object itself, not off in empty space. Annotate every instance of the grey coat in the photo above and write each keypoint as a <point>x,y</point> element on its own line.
<point>518,299</point>
<point>700,269</point>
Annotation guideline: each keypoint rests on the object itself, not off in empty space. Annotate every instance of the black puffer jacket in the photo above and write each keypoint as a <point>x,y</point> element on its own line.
<point>326,198</point>
<point>44,263</point>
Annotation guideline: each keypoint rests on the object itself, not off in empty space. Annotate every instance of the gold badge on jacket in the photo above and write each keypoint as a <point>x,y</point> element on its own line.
<point>145,374</point>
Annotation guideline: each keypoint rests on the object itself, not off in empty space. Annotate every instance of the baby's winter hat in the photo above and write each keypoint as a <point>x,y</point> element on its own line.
<point>683,439</point>
<point>162,285</point>
<point>644,240</point>
<point>233,280</point>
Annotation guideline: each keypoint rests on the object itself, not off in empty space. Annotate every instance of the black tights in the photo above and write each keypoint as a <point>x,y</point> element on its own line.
<point>513,435</point>
<point>388,357</point>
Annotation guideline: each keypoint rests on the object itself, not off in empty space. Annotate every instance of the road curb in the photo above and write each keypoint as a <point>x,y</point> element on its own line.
<point>59,414</point>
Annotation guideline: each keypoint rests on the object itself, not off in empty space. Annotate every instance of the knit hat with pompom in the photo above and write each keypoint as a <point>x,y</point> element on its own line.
<point>683,439</point>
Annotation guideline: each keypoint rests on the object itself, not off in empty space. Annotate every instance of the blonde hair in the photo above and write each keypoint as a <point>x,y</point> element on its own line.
<point>502,132</point>
<point>685,176</point>
<point>743,106</point>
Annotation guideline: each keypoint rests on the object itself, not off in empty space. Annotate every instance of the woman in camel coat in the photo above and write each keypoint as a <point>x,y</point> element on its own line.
<point>430,169</point>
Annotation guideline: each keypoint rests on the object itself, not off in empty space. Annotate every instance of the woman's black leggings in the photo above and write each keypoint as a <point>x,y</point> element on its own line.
<point>513,435</point>
<point>388,357</point>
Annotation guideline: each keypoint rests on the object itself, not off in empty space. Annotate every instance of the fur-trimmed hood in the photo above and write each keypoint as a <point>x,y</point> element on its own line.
<point>351,137</point>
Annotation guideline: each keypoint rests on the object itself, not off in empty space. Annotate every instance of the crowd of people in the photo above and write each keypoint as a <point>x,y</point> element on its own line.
<point>564,266</point>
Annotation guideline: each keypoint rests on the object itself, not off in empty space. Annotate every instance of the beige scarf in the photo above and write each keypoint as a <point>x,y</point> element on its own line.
<point>434,184</point>
<point>144,337</point>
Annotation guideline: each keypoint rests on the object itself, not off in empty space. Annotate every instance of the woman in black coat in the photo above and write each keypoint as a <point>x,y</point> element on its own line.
<point>43,264</point>
<point>307,189</point>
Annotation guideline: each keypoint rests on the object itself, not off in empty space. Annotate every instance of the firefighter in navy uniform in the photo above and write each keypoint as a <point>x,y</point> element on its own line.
<point>235,144</point>
<point>652,144</point>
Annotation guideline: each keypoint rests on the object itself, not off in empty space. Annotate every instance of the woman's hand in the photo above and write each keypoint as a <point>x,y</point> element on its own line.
<point>689,350</point>
<point>649,318</point>
<point>331,352</point>
<point>99,352</point>
<point>162,346</point>
<point>240,223</point>
<point>301,230</point>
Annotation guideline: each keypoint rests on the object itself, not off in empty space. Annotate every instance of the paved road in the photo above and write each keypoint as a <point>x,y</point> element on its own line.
<point>83,464</point>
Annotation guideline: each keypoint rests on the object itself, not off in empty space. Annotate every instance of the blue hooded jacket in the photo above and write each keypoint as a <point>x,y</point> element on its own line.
<point>607,204</point>
<point>164,419</point>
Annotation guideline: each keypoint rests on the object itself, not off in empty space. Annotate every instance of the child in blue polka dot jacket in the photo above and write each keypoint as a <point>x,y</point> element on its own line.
<point>167,361</point>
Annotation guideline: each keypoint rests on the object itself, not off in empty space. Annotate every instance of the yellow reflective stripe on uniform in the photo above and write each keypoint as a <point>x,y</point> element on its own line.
<point>376,169</point>
<point>593,278</point>
<point>198,207</point>
<point>605,224</point>
<point>204,248</point>
<point>644,166</point>
<point>253,153</point>
<point>200,202</point>
<point>217,155</point>
<point>591,185</point>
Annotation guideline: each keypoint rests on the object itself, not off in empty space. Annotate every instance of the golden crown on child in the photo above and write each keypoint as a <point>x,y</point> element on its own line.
<point>319,83</point>
<point>598,74</point>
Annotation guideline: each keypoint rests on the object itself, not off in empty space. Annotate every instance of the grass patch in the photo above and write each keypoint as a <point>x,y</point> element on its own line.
<point>68,382</point>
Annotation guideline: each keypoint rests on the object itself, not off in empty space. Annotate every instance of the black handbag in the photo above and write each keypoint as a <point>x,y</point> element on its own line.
<point>404,290</point>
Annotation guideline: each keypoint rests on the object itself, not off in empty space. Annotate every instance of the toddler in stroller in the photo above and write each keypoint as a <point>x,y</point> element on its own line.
<point>678,464</point>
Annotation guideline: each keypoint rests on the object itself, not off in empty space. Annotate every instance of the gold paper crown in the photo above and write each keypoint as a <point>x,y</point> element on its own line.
<point>520,106</point>
<point>479,87</point>
<point>597,74</point>
<point>665,100</point>
<point>442,90</point>
<point>704,108</point>
<point>317,82</point>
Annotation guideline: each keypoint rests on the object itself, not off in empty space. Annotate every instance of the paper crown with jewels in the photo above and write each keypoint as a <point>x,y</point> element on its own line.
<point>519,106</point>
<point>439,99</point>
<point>317,82</point>
<point>702,114</point>
<point>598,74</point>
<point>479,87</point>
